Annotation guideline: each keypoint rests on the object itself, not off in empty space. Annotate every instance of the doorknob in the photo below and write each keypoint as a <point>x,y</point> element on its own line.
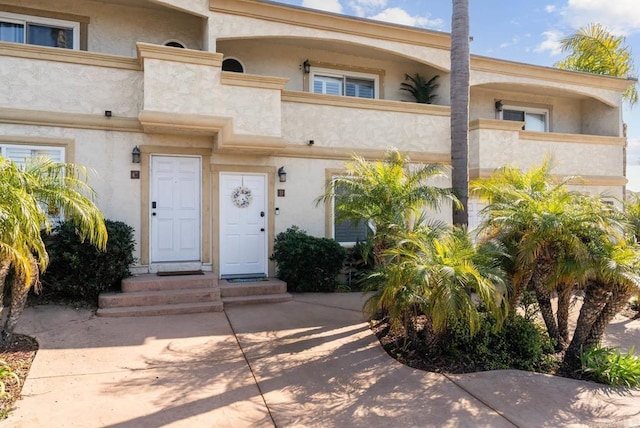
<point>261,213</point>
<point>262,229</point>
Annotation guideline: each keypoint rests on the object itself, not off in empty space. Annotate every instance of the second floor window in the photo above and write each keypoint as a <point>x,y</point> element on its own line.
<point>534,119</point>
<point>34,30</point>
<point>333,82</point>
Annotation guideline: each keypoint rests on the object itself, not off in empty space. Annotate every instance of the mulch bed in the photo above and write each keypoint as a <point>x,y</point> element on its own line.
<point>18,355</point>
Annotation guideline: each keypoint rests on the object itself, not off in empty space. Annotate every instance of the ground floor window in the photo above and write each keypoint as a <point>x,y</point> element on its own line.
<point>347,232</point>
<point>18,153</point>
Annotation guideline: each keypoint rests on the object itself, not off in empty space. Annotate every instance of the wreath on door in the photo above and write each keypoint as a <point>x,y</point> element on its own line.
<point>241,197</point>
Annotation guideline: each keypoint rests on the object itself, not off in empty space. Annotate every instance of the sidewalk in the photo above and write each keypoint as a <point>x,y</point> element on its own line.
<point>312,362</point>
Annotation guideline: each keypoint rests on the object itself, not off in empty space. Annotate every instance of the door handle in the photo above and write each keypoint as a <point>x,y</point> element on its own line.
<point>153,204</point>
<point>262,229</point>
<point>153,213</point>
<point>261,213</point>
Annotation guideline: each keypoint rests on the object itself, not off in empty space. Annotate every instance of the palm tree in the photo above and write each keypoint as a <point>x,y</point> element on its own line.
<point>593,49</point>
<point>390,195</point>
<point>550,232</point>
<point>460,70</point>
<point>437,274</point>
<point>28,195</point>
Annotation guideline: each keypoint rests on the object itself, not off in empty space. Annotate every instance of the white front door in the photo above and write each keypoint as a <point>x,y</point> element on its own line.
<point>243,224</point>
<point>175,208</point>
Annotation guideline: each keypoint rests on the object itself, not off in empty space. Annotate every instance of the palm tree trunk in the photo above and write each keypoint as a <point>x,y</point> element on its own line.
<point>541,271</point>
<point>615,304</point>
<point>460,108</point>
<point>19,292</point>
<point>518,291</point>
<point>595,299</point>
<point>565,291</point>
<point>5,265</point>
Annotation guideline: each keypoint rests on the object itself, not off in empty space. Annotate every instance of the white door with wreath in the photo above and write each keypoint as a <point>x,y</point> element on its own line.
<point>243,225</point>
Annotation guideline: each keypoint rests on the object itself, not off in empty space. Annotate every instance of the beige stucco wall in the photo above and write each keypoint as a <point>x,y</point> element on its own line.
<point>598,119</point>
<point>74,88</point>
<point>497,148</point>
<point>270,58</point>
<point>224,26</point>
<point>115,28</point>
<point>343,127</point>
<point>196,89</point>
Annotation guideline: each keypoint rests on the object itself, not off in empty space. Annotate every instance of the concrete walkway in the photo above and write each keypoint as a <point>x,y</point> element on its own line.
<point>311,362</point>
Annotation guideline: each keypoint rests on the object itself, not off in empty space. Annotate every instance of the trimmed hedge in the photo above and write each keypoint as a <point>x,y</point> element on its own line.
<point>307,263</point>
<point>78,270</point>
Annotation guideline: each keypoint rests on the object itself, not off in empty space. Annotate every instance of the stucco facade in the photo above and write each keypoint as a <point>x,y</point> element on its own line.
<point>177,103</point>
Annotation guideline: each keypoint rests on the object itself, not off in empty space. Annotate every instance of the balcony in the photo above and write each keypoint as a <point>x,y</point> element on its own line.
<point>495,143</point>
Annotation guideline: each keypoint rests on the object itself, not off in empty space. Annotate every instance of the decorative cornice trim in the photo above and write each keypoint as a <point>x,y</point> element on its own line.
<point>69,120</point>
<point>253,81</point>
<point>302,17</point>
<point>366,104</point>
<point>495,125</point>
<point>583,180</point>
<point>168,53</point>
<point>44,53</point>
<point>530,71</point>
<point>340,153</point>
<point>557,137</point>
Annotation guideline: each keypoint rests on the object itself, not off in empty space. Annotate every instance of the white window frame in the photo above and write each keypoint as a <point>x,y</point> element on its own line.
<point>15,18</point>
<point>532,110</point>
<point>5,146</point>
<point>343,74</point>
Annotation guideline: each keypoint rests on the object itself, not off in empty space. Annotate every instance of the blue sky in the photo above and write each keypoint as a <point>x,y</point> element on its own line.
<point>524,31</point>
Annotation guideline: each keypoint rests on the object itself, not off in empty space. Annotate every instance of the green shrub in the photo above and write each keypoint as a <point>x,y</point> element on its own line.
<point>78,270</point>
<point>307,263</point>
<point>519,344</point>
<point>6,373</point>
<point>611,367</point>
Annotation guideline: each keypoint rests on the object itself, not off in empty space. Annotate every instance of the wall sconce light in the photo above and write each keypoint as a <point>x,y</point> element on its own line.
<point>499,105</point>
<point>135,155</point>
<point>282,175</point>
<point>306,66</point>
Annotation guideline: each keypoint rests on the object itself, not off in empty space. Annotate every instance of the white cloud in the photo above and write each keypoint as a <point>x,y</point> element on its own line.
<point>400,16</point>
<point>620,16</point>
<point>363,8</point>
<point>326,5</point>
<point>551,42</point>
<point>550,8</point>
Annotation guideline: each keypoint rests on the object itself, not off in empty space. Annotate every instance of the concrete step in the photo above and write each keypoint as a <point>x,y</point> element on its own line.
<point>236,289</point>
<point>153,282</point>
<point>154,298</point>
<point>251,300</point>
<point>146,311</point>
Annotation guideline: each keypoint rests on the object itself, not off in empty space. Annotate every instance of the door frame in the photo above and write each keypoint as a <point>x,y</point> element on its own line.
<point>145,198</point>
<point>198,201</point>
<point>270,173</point>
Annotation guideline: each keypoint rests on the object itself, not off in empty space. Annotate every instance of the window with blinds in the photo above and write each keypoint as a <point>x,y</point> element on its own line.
<point>35,30</point>
<point>19,153</point>
<point>347,232</point>
<point>332,82</point>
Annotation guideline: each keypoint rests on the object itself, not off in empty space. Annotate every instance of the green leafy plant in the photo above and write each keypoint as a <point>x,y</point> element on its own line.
<point>6,373</point>
<point>422,90</point>
<point>519,343</point>
<point>78,270</point>
<point>611,367</point>
<point>307,263</point>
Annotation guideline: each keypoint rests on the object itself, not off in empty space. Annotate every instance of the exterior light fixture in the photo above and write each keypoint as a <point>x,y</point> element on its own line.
<point>282,175</point>
<point>135,155</point>
<point>306,66</point>
<point>499,105</point>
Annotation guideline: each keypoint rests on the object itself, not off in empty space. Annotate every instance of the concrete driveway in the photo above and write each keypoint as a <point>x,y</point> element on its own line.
<point>310,362</point>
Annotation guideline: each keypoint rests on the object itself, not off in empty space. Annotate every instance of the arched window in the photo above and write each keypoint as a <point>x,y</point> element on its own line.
<point>174,44</point>
<point>232,64</point>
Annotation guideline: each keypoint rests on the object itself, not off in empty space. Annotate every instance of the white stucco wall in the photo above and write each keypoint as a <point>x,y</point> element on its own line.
<point>73,88</point>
